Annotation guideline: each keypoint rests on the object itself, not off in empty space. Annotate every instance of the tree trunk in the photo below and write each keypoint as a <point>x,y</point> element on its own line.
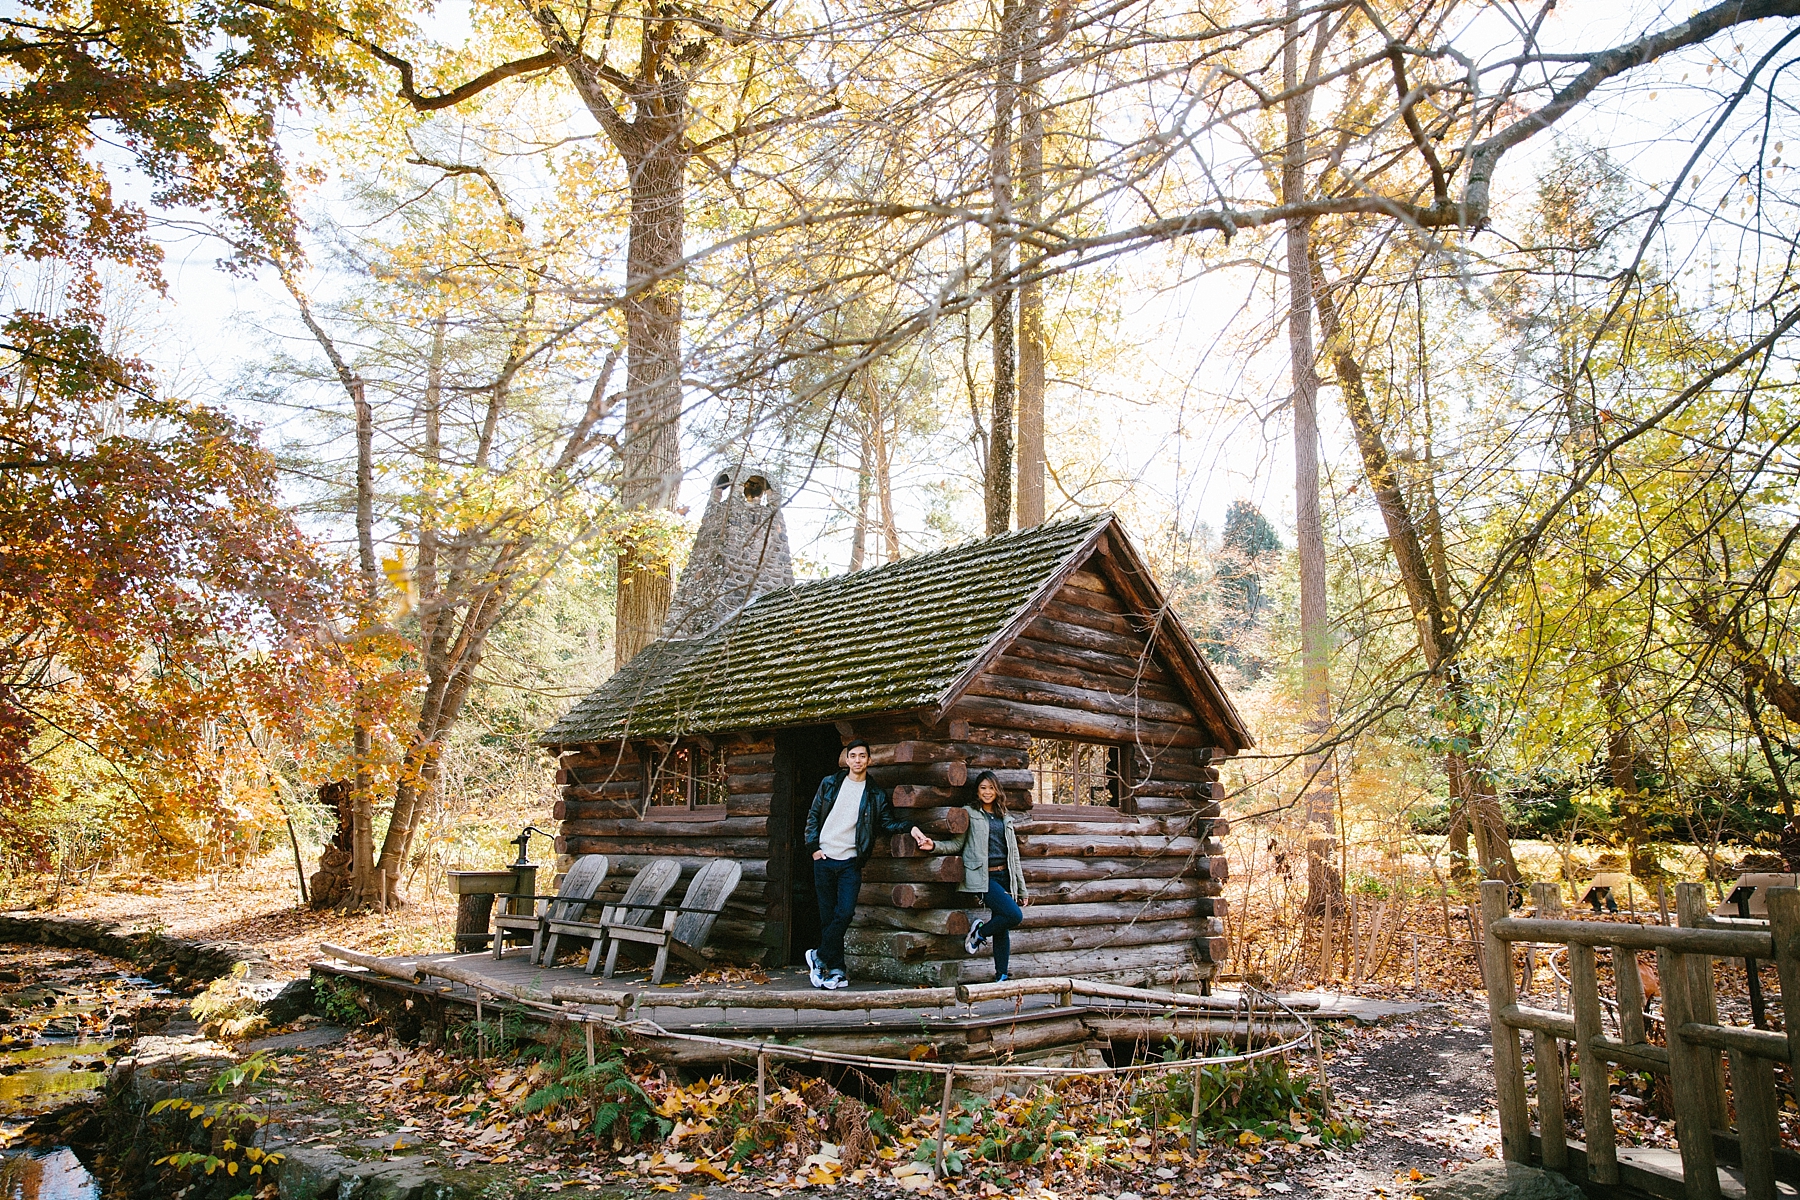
<point>860,532</point>
<point>364,886</point>
<point>1475,809</point>
<point>652,442</point>
<point>1315,650</point>
<point>879,459</point>
<point>1031,293</point>
<point>1000,293</point>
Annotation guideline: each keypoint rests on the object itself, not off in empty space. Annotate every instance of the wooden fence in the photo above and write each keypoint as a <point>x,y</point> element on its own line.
<point>1692,1055</point>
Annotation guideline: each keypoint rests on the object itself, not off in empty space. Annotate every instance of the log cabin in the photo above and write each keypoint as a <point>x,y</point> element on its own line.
<point>1048,656</point>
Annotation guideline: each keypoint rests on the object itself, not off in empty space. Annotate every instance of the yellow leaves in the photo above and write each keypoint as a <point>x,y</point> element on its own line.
<point>1246,1138</point>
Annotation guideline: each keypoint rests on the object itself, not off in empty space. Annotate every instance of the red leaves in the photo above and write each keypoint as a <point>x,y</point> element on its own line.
<point>157,602</point>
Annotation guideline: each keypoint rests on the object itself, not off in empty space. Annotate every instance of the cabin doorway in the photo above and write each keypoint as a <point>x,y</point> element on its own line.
<point>803,758</point>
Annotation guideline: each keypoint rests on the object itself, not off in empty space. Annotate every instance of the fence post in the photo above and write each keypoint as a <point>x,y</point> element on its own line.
<point>1690,1078</point>
<point>1509,1065</point>
<point>1753,1087</point>
<point>1703,1004</point>
<point>1596,1072</point>
<point>1629,985</point>
<point>1546,1056</point>
<point>1784,929</point>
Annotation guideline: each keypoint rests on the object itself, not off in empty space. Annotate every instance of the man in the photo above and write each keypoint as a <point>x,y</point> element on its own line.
<point>848,813</point>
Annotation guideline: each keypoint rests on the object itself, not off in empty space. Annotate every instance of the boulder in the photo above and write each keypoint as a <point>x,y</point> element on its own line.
<point>1494,1180</point>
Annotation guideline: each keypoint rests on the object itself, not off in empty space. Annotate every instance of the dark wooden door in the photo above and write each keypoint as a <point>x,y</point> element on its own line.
<point>803,758</point>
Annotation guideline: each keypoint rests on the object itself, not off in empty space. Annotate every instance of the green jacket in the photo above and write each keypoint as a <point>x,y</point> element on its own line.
<point>974,847</point>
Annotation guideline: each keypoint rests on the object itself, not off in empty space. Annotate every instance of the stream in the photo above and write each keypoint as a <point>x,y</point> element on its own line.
<point>65,1015</point>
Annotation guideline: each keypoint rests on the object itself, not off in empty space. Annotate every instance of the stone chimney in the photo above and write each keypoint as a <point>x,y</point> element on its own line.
<point>740,553</point>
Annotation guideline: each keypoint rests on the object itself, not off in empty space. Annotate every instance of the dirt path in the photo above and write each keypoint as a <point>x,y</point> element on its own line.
<point>1424,1091</point>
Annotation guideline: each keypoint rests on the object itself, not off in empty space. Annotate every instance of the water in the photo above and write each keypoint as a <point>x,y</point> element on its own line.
<point>64,1016</point>
<point>51,1175</point>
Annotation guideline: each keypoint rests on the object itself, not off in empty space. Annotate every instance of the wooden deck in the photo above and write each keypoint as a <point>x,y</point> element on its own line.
<point>874,1019</point>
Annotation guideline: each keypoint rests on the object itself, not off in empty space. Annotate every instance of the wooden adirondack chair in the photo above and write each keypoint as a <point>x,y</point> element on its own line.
<point>684,927</point>
<point>639,903</point>
<point>515,915</point>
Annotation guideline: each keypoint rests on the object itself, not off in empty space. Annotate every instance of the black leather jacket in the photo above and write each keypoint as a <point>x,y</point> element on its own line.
<point>875,816</point>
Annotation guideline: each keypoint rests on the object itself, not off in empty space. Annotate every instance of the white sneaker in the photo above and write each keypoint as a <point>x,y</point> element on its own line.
<point>837,980</point>
<point>815,969</point>
<point>975,943</point>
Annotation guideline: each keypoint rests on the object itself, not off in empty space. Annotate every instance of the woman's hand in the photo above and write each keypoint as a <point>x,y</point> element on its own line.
<point>818,854</point>
<point>925,843</point>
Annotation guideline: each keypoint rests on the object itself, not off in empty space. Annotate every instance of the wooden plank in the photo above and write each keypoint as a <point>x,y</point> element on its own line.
<point>1703,1006</point>
<point>908,945</point>
<point>1509,1065</point>
<point>693,855</point>
<point>591,810</point>
<point>1654,1059</point>
<point>720,827</point>
<point>1193,792</point>
<point>1168,806</point>
<point>1784,928</point>
<point>1058,870</point>
<point>1091,617</point>
<point>1053,721</point>
<point>618,789</point>
<point>1628,985</point>
<point>1689,1080</point>
<point>1596,1075</point>
<point>750,804</point>
<point>1100,599</point>
<point>1083,676</point>
<point>1081,637</point>
<point>925,774</point>
<point>1082,699</point>
<point>946,868</point>
<point>914,751</point>
<point>1546,1058</point>
<point>1102,845</point>
<point>1753,1086</point>
<point>1720,942</point>
<point>1097,891</point>
<point>1124,666</point>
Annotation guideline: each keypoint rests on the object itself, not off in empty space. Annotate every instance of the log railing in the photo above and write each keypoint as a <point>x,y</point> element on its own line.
<point>1692,1058</point>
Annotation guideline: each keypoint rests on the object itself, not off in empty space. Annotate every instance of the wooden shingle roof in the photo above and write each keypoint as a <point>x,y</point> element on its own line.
<point>891,638</point>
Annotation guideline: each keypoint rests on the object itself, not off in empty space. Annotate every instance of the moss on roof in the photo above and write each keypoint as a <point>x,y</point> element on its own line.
<point>889,638</point>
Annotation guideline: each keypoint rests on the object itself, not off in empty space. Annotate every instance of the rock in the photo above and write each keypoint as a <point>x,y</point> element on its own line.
<point>313,1173</point>
<point>1494,1180</point>
<point>318,1037</point>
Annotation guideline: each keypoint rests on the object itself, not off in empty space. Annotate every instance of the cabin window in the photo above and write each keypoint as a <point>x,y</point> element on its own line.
<point>687,781</point>
<point>1077,773</point>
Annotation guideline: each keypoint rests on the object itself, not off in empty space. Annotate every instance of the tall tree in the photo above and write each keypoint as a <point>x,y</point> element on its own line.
<point>1323,884</point>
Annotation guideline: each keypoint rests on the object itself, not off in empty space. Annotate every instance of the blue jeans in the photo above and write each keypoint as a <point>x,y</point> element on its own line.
<point>835,882</point>
<point>1004,916</point>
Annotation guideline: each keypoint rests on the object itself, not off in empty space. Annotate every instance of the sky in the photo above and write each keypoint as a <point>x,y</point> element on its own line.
<point>1216,434</point>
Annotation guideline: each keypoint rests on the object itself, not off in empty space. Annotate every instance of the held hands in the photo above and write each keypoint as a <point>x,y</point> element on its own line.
<point>925,843</point>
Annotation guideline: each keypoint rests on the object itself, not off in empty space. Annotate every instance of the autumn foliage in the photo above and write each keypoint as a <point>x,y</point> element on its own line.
<point>159,605</point>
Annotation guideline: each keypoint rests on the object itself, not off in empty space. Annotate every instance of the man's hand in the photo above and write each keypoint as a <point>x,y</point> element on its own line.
<point>924,842</point>
<point>818,854</point>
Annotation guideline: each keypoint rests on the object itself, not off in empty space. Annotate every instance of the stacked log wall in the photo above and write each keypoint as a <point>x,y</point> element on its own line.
<point>600,806</point>
<point>1116,894</point>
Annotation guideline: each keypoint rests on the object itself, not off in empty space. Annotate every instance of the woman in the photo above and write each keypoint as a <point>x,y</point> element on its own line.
<point>990,854</point>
